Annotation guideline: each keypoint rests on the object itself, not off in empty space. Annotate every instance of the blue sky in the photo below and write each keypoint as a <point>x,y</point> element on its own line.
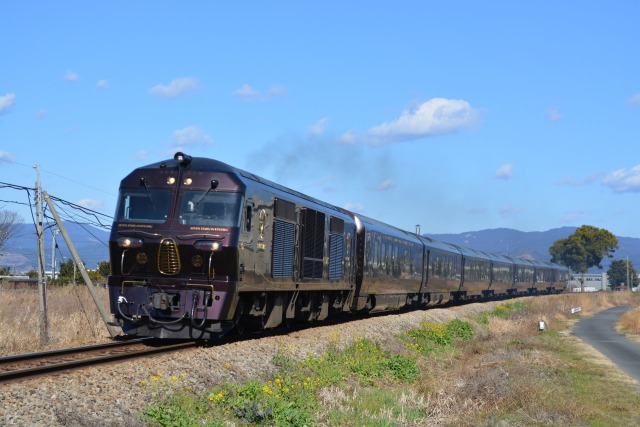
<point>458,116</point>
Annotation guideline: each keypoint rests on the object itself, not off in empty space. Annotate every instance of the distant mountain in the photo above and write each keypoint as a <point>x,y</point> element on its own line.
<point>20,253</point>
<point>534,244</point>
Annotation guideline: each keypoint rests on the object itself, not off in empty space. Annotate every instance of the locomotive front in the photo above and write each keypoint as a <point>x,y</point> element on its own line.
<point>174,249</point>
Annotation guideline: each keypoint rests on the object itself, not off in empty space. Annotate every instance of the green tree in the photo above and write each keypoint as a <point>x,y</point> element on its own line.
<point>584,249</point>
<point>618,273</point>
<point>66,272</point>
<point>104,268</point>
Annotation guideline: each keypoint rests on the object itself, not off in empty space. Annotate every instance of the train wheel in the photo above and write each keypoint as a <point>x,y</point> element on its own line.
<point>239,322</point>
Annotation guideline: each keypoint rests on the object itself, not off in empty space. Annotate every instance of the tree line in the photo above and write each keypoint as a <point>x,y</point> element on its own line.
<point>586,248</point>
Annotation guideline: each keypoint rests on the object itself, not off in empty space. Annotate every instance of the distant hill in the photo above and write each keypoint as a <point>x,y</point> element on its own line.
<point>533,244</point>
<point>20,252</point>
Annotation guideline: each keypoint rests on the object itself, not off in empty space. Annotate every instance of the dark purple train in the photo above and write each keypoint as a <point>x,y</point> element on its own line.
<point>199,248</point>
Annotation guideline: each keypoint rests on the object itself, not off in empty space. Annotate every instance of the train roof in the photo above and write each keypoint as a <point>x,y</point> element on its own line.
<point>437,244</point>
<point>207,164</point>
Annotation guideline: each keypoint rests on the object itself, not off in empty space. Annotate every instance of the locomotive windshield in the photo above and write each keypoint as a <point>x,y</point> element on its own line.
<point>143,205</point>
<point>211,208</point>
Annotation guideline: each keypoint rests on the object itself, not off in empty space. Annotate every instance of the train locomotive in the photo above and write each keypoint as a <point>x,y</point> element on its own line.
<point>199,248</point>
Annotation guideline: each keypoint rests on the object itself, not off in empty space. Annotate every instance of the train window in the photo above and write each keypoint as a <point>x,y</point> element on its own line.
<point>383,261</point>
<point>143,205</point>
<point>284,209</point>
<point>247,216</point>
<point>213,209</point>
<point>376,253</point>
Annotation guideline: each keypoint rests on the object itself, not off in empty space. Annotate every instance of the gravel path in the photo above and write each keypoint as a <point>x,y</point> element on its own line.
<point>115,395</point>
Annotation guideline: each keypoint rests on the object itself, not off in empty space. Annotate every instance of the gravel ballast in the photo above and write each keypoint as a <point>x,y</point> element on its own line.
<point>116,394</point>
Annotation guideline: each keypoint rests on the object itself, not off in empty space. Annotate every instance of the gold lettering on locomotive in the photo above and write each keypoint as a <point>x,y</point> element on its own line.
<point>262,216</point>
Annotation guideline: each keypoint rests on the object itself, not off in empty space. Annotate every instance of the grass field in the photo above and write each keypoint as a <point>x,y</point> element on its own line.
<point>73,319</point>
<point>490,369</point>
<point>493,369</point>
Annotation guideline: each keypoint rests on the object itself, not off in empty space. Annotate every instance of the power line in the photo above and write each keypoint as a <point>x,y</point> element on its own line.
<point>60,176</point>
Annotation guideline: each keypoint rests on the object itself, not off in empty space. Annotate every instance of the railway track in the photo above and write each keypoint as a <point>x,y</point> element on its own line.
<point>23,366</point>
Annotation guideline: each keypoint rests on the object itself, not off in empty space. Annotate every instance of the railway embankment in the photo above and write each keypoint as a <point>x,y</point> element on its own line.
<point>477,364</point>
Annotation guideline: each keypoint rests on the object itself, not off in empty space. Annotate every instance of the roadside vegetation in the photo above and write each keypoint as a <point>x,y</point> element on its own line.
<point>630,323</point>
<point>493,368</point>
<point>73,318</point>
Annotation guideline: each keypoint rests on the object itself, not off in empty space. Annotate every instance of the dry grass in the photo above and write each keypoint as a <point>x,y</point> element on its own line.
<point>510,374</point>
<point>73,319</point>
<point>630,321</point>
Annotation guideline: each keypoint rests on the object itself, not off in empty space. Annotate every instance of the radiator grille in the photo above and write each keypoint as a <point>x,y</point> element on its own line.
<point>336,254</point>
<point>168,258</point>
<point>283,242</point>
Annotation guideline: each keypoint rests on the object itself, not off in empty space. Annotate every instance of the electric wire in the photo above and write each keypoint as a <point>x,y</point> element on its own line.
<point>71,212</point>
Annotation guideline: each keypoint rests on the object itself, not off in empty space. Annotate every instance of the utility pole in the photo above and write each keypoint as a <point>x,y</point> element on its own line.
<point>83,272</point>
<point>42,277</point>
<point>628,284</point>
<point>53,254</point>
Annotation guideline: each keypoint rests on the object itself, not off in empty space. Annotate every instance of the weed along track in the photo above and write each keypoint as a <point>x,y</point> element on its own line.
<point>22,366</point>
<point>468,365</point>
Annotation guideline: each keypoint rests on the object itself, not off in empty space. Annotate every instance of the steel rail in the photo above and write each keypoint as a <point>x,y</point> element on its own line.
<point>14,358</point>
<point>18,374</point>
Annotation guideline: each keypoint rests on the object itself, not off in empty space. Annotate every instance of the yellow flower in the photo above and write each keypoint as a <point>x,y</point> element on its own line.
<point>217,397</point>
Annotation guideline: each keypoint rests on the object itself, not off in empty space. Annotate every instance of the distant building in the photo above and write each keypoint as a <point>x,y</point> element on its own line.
<point>17,282</point>
<point>592,282</point>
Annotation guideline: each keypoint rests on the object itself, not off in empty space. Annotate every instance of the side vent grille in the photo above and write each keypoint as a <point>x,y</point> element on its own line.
<point>168,258</point>
<point>336,255</point>
<point>283,242</point>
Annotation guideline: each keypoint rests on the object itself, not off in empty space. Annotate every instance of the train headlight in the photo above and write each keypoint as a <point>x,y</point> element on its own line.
<point>208,245</point>
<point>171,180</point>
<point>196,261</point>
<point>129,242</point>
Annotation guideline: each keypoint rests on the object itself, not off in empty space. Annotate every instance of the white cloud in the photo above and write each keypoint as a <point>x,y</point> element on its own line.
<point>90,203</point>
<point>437,116</point>
<point>41,114</point>
<point>505,171</point>
<point>624,181</point>
<point>572,217</point>
<point>5,155</point>
<point>354,207</point>
<point>477,210</point>
<point>508,211</point>
<point>190,136</point>
<point>276,90</point>
<point>570,181</point>
<point>386,185</point>
<point>7,102</point>
<point>178,87</point>
<point>317,129</point>
<point>71,76</point>
<point>140,155</point>
<point>248,93</point>
<point>553,114</point>
<point>102,84</point>
<point>634,101</point>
